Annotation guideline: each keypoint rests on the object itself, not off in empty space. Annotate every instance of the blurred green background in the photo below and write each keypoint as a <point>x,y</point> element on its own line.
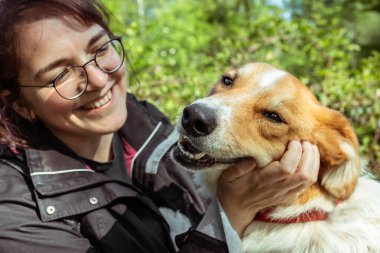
<point>178,49</point>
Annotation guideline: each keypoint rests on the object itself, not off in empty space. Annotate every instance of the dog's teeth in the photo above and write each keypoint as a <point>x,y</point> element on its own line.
<point>199,156</point>
<point>184,151</point>
<point>190,155</point>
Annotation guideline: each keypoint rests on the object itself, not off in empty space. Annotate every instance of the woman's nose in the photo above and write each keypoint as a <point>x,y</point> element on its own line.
<point>97,79</point>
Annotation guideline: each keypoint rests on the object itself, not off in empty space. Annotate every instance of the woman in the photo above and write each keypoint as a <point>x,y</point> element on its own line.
<point>79,175</point>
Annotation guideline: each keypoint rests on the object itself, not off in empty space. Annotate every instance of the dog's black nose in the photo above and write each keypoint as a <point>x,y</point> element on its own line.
<point>198,120</point>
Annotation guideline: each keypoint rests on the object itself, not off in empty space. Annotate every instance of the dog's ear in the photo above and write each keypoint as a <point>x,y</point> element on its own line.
<point>339,150</point>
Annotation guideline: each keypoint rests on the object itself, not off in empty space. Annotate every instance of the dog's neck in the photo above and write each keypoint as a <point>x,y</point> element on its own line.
<point>312,205</point>
<point>313,215</point>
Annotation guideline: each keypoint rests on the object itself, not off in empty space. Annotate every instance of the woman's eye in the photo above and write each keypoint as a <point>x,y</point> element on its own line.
<point>227,81</point>
<point>103,49</point>
<point>273,117</point>
<point>59,76</point>
<point>62,77</point>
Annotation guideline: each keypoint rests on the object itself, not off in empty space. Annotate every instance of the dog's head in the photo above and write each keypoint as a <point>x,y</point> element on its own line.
<point>254,111</point>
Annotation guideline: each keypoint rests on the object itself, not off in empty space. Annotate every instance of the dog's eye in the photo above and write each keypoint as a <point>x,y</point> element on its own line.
<point>227,81</point>
<point>273,117</point>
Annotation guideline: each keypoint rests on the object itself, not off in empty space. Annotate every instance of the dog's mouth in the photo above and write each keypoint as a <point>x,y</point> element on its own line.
<point>191,157</point>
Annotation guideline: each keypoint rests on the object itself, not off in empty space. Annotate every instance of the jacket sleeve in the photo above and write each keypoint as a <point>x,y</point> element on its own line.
<point>21,229</point>
<point>213,234</point>
<point>195,241</point>
<point>175,190</point>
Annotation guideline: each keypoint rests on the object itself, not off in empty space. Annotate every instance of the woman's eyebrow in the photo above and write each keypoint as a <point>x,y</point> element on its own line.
<point>49,67</point>
<point>95,38</point>
<point>61,61</point>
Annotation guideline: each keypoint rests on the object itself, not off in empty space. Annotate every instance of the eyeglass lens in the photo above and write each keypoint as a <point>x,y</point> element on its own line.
<point>72,83</point>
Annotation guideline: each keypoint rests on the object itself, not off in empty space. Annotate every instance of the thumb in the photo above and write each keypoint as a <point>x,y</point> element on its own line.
<point>238,170</point>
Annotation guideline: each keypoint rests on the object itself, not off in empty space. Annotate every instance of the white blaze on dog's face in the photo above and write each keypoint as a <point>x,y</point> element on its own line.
<point>254,111</point>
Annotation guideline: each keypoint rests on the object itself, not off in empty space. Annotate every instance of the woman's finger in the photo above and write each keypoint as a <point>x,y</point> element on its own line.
<point>280,170</point>
<point>308,165</point>
<point>291,158</point>
<point>317,162</point>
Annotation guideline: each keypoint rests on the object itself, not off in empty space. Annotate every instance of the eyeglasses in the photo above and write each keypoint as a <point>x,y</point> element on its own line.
<point>73,81</point>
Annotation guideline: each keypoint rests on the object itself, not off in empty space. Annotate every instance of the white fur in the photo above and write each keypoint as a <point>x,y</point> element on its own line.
<point>353,226</point>
<point>335,179</point>
<point>270,78</point>
<point>247,69</point>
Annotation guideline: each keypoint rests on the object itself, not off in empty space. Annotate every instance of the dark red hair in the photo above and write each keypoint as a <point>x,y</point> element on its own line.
<point>13,128</point>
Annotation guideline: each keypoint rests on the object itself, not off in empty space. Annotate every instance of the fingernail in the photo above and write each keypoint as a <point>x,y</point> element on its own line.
<point>294,142</point>
<point>306,143</point>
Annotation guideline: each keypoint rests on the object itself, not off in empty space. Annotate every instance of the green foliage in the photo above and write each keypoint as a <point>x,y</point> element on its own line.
<point>178,49</point>
<point>356,93</point>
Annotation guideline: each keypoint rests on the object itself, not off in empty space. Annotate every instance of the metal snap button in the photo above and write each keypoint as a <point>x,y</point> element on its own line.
<point>50,210</point>
<point>93,200</point>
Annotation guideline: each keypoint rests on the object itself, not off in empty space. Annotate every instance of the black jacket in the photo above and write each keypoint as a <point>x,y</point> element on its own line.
<point>50,201</point>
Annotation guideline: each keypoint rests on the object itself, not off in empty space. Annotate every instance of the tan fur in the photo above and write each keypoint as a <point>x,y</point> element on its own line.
<point>306,119</point>
<point>312,192</point>
<point>244,130</point>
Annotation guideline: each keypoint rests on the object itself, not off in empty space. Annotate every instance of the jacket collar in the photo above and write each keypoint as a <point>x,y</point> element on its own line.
<point>55,168</point>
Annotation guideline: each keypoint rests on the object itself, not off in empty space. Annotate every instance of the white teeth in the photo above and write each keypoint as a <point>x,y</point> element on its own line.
<point>183,151</point>
<point>198,156</point>
<point>98,103</point>
<point>190,155</point>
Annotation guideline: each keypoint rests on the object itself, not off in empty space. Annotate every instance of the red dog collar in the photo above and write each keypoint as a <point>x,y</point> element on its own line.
<point>314,215</point>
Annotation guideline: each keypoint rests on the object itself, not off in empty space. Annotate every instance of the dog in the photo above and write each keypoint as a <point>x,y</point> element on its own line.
<point>254,111</point>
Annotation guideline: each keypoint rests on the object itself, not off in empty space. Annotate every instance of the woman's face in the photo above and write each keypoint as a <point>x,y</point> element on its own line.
<point>49,46</point>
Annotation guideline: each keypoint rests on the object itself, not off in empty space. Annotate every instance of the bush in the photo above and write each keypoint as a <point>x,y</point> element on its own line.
<point>178,49</point>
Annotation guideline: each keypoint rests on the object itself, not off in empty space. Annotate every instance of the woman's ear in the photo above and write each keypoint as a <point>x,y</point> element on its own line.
<point>19,105</point>
<point>339,149</point>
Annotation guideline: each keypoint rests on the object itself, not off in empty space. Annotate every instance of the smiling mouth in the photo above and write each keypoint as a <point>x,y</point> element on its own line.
<point>191,157</point>
<point>99,102</point>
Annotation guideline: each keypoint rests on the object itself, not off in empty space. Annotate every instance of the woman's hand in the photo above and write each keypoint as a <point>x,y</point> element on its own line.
<point>244,190</point>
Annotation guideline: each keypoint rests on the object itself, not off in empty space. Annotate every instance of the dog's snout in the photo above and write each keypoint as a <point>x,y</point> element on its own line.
<point>198,120</point>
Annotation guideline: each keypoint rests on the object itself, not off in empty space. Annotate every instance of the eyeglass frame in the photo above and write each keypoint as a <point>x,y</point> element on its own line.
<point>52,83</point>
